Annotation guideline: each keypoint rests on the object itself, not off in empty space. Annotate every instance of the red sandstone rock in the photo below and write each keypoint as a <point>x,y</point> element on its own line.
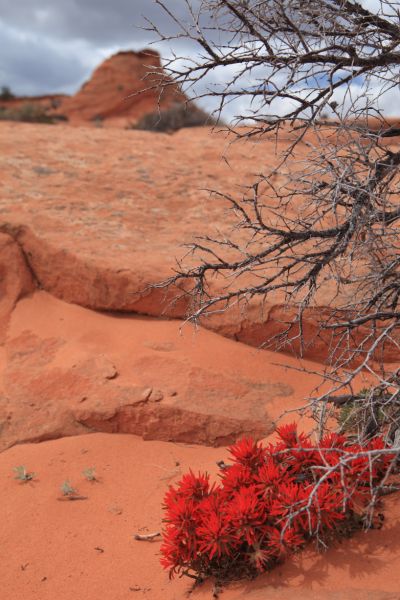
<point>111,91</point>
<point>99,228</point>
<point>96,233</point>
<point>68,370</point>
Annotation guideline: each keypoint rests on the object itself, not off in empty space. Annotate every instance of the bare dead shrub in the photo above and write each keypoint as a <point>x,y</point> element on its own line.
<point>317,73</point>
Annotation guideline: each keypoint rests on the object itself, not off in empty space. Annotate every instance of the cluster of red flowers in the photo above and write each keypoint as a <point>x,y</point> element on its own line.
<point>269,503</point>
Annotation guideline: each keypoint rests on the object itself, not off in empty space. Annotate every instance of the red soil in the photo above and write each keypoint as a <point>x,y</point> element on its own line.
<point>57,355</point>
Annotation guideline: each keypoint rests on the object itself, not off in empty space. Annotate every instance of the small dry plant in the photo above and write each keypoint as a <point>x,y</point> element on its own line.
<point>23,475</point>
<point>90,474</point>
<point>69,492</point>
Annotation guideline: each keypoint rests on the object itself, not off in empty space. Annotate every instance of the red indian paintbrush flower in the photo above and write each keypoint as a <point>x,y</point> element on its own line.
<point>269,476</point>
<point>248,453</point>
<point>284,541</point>
<point>194,487</point>
<point>234,478</point>
<point>269,503</point>
<point>215,538</point>
<point>246,513</point>
<point>260,556</point>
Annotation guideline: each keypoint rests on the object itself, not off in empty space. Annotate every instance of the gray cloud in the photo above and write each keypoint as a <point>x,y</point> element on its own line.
<point>30,65</point>
<point>52,45</point>
<point>98,22</point>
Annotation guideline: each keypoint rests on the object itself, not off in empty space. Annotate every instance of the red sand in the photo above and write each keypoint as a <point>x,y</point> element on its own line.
<point>84,550</point>
<point>64,550</point>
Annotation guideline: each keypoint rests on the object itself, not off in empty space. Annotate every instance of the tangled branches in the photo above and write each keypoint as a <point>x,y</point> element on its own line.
<point>319,228</point>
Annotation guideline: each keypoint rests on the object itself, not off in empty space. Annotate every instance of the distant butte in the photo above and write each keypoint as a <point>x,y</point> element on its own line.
<point>109,96</point>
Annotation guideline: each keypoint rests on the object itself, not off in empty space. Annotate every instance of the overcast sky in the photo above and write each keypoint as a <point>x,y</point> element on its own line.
<point>53,45</point>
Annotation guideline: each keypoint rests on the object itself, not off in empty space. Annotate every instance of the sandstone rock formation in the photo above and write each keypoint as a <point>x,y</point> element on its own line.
<point>99,228</point>
<point>83,235</point>
<point>111,93</point>
<point>96,230</point>
<point>15,279</point>
<point>67,370</point>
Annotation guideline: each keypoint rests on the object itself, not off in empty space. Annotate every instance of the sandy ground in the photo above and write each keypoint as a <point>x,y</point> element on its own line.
<point>63,550</point>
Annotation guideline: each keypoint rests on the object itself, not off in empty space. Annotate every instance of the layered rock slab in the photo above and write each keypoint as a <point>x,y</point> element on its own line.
<point>68,370</point>
<point>59,549</point>
<point>100,228</point>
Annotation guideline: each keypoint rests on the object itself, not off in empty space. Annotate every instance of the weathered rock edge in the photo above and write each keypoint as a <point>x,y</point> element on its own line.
<point>42,398</point>
<point>83,282</point>
<point>16,279</point>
